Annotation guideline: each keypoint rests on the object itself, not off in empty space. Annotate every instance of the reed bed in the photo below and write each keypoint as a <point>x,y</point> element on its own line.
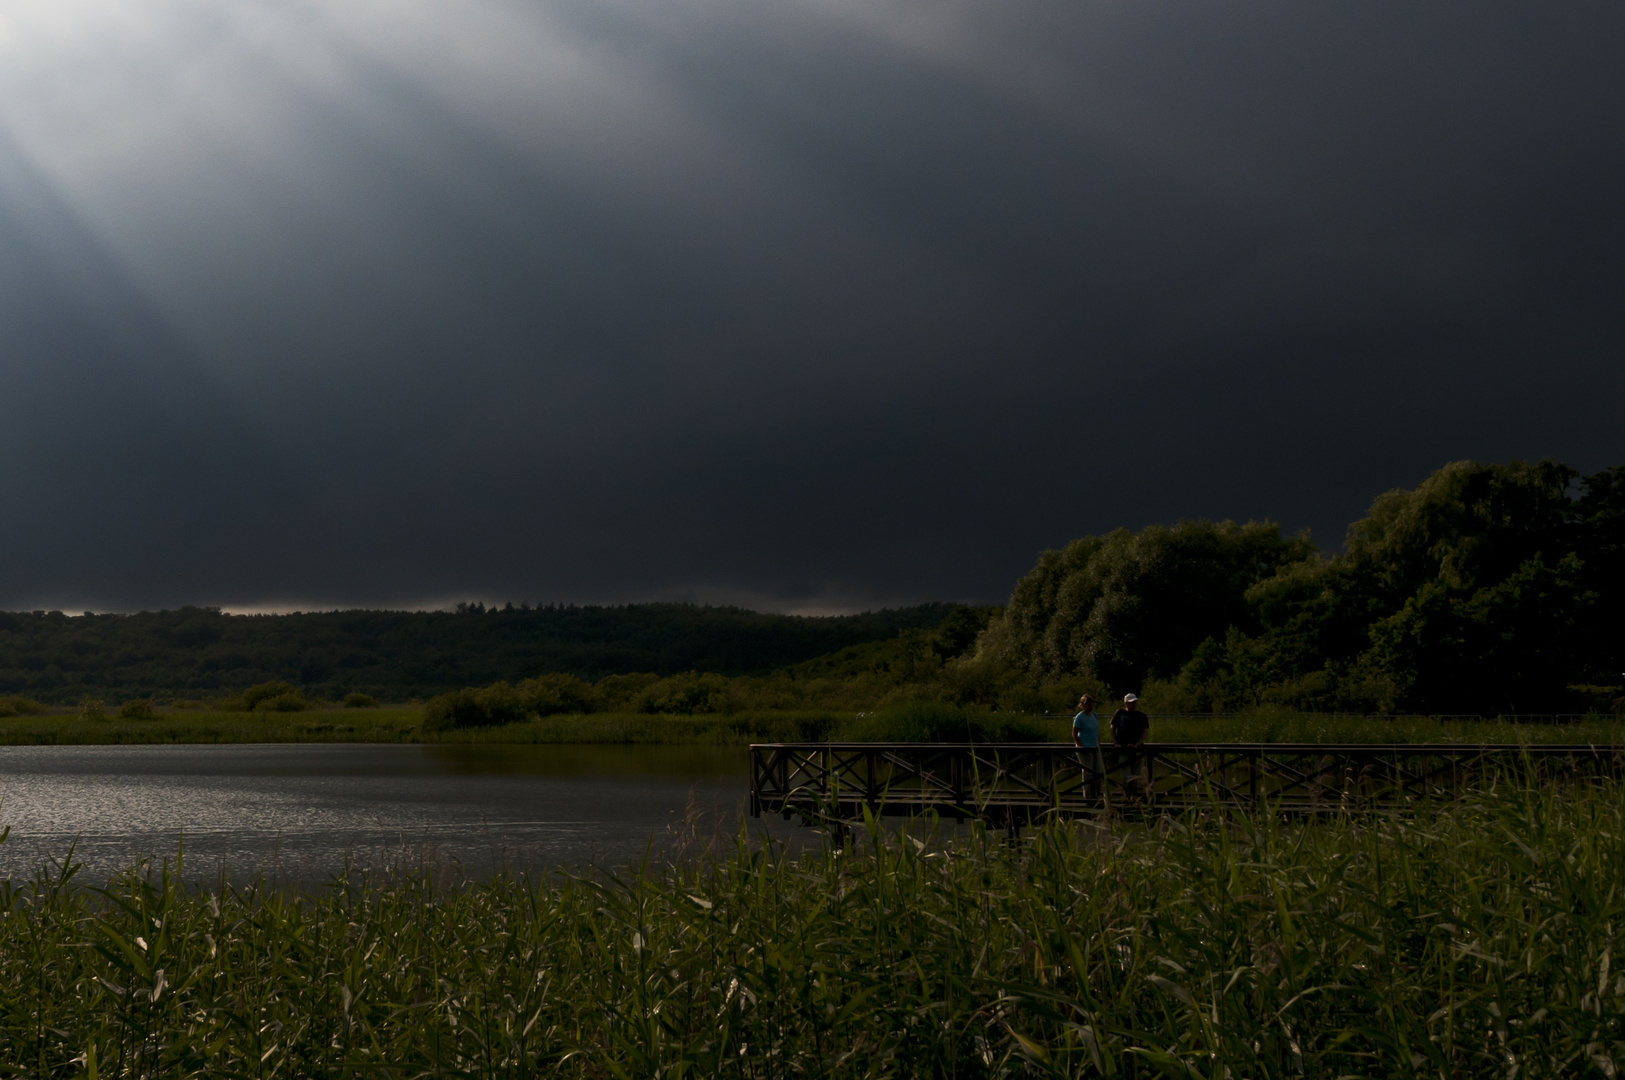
<point>1270,725</point>
<point>1473,939</point>
<point>392,724</point>
<point>404,724</point>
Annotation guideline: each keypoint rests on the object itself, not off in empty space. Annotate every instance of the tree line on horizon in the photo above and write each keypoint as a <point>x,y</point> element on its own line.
<point>203,654</point>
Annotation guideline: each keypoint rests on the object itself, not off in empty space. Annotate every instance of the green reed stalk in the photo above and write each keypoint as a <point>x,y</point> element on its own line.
<point>1475,938</point>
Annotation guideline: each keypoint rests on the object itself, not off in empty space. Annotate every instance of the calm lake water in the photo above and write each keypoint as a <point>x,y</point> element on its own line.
<point>304,812</point>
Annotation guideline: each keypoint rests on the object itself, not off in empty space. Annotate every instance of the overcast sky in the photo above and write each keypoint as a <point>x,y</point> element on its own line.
<point>802,304</point>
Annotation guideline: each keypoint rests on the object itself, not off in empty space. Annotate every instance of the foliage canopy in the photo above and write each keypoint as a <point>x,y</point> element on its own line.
<point>1488,588</point>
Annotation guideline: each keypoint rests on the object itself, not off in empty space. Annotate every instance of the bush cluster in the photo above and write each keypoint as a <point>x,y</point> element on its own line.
<point>17,705</point>
<point>265,697</point>
<point>136,709</point>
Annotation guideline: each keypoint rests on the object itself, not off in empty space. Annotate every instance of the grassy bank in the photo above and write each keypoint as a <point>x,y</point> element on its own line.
<point>1475,939</point>
<point>903,724</point>
<point>395,725</point>
<point>1283,725</point>
<point>324,725</point>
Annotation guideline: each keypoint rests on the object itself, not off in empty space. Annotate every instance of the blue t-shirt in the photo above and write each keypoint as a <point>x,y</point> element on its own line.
<point>1086,729</point>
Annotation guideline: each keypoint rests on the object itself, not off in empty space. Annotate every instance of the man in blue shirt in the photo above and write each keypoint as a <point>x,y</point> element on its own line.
<point>1086,737</point>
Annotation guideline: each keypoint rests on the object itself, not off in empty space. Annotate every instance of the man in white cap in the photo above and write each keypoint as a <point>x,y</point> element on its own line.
<point>1130,726</point>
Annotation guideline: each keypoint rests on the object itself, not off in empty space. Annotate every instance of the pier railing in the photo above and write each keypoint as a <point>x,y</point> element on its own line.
<point>1013,783</point>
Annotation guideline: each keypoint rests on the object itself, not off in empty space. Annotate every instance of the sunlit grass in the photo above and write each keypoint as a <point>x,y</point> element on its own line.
<point>1474,939</point>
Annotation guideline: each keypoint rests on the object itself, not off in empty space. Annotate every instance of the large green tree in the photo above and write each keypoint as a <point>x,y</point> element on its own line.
<point>1127,606</point>
<point>1485,589</point>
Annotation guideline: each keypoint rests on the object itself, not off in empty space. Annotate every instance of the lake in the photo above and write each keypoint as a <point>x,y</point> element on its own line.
<point>301,813</point>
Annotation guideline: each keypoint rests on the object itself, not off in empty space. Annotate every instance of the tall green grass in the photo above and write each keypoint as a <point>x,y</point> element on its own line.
<point>1477,939</point>
<point>333,725</point>
<point>1268,725</point>
<point>906,722</point>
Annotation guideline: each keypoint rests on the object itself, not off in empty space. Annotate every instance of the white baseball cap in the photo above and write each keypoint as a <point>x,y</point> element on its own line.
<point>1130,697</point>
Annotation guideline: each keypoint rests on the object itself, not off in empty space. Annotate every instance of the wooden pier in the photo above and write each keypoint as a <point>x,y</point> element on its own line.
<point>1012,784</point>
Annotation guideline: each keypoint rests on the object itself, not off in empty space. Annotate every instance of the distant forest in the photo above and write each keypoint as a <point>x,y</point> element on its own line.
<point>398,655</point>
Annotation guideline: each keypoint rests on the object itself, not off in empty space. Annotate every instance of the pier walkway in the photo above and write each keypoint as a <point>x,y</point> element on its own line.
<point>1012,784</point>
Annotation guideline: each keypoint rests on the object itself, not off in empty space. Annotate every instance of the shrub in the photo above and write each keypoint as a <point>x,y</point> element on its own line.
<point>17,705</point>
<point>93,709</point>
<point>290,702</point>
<point>686,694</point>
<point>359,701</point>
<point>550,695</point>
<point>616,693</point>
<point>458,709</point>
<point>136,709</point>
<point>497,704</point>
<point>265,692</point>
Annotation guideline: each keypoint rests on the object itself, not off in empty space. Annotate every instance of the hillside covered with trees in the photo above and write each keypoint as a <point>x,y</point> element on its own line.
<point>398,655</point>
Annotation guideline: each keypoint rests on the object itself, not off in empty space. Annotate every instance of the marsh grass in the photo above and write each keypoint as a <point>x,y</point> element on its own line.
<point>1472,939</point>
<point>1268,725</point>
<point>194,726</point>
<point>404,724</point>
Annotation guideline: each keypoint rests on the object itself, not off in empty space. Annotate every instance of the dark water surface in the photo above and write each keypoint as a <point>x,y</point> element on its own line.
<point>304,812</point>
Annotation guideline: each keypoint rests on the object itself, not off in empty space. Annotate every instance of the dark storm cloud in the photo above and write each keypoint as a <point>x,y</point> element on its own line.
<point>797,304</point>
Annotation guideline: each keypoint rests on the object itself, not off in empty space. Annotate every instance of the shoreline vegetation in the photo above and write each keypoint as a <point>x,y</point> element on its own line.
<point>1489,589</point>
<point>926,722</point>
<point>1471,938</point>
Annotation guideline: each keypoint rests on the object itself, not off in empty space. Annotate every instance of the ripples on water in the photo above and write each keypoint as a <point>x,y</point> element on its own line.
<point>303,813</point>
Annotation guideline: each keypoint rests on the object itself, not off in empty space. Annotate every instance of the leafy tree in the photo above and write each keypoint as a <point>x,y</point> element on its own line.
<point>496,704</point>
<point>264,692</point>
<point>1478,591</point>
<point>1128,606</point>
<point>691,692</point>
<point>958,632</point>
<point>549,695</point>
<point>1599,521</point>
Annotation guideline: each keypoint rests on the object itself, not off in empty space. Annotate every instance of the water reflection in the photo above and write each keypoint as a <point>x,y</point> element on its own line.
<point>305,812</point>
